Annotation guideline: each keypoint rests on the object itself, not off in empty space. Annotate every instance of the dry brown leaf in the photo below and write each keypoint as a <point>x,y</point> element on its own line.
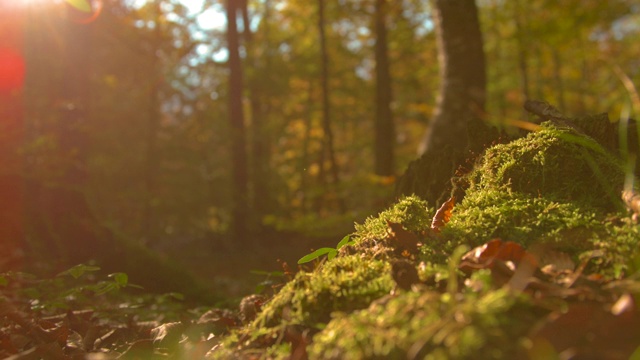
<point>402,239</point>
<point>588,330</point>
<point>443,215</point>
<point>485,255</point>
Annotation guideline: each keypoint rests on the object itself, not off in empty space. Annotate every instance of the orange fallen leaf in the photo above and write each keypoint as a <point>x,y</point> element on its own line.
<point>495,251</point>
<point>443,215</point>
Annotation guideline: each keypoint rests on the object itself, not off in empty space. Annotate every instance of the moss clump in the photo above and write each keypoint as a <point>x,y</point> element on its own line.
<point>620,244</point>
<point>410,211</point>
<point>343,284</point>
<point>414,324</point>
<point>556,164</point>
<point>501,213</point>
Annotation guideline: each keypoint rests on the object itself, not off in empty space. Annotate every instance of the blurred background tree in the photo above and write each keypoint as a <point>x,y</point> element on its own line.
<point>128,134</point>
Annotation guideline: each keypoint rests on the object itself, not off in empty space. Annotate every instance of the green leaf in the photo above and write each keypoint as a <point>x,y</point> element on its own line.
<point>344,241</point>
<point>121,279</point>
<point>316,254</point>
<point>79,270</point>
<point>104,287</point>
<point>82,5</point>
<point>3,280</point>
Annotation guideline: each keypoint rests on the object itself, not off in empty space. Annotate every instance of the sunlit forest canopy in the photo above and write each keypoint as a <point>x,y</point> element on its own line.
<point>127,118</point>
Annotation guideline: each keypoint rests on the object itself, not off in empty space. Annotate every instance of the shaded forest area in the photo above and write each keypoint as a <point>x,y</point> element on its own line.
<point>139,127</point>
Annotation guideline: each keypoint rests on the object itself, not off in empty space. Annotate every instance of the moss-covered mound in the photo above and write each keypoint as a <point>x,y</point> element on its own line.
<point>416,324</point>
<point>557,164</point>
<point>345,284</point>
<point>555,187</point>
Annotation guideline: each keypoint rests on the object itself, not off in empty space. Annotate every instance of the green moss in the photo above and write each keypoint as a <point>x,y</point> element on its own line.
<point>410,211</point>
<point>501,213</point>
<point>556,164</point>
<point>619,244</point>
<point>342,284</point>
<point>414,324</point>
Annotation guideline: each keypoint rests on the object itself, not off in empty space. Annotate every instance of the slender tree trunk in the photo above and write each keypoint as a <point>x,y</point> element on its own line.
<point>384,126</point>
<point>153,123</point>
<point>12,72</point>
<point>306,142</point>
<point>457,129</point>
<point>327,147</point>
<point>522,52</point>
<point>260,140</point>
<point>557,72</point>
<point>240,179</point>
<point>501,100</point>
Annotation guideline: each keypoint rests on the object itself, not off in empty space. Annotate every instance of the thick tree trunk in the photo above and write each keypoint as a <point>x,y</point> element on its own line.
<point>457,129</point>
<point>384,126</point>
<point>236,119</point>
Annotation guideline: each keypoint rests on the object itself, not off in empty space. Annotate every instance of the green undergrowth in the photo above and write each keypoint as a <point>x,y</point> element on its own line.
<point>417,324</point>
<point>553,187</point>
<point>344,284</point>
<point>556,164</point>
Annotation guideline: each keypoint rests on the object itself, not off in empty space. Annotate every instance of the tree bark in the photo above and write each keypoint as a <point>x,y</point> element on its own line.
<point>522,52</point>
<point>384,126</point>
<point>327,142</point>
<point>457,129</point>
<point>557,72</point>
<point>12,72</point>
<point>149,226</point>
<point>260,138</point>
<point>240,179</point>
<point>61,225</point>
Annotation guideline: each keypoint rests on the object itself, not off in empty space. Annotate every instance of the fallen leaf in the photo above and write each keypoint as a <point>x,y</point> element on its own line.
<point>588,330</point>
<point>402,239</point>
<point>624,304</point>
<point>485,255</point>
<point>506,260</point>
<point>443,215</point>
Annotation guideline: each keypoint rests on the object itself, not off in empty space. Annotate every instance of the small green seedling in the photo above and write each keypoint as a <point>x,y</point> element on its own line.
<point>330,252</point>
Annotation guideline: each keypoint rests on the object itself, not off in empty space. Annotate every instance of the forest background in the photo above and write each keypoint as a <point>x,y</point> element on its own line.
<point>125,127</point>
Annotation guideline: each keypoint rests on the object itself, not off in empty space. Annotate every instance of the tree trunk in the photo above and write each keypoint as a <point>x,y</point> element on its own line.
<point>60,224</point>
<point>149,226</point>
<point>522,52</point>
<point>457,129</point>
<point>306,143</point>
<point>384,126</point>
<point>557,72</point>
<point>12,72</point>
<point>327,143</point>
<point>240,179</point>
<point>260,138</point>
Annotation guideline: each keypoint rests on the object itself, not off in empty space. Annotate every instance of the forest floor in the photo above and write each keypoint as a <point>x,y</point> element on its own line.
<point>536,261</point>
<point>231,273</point>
